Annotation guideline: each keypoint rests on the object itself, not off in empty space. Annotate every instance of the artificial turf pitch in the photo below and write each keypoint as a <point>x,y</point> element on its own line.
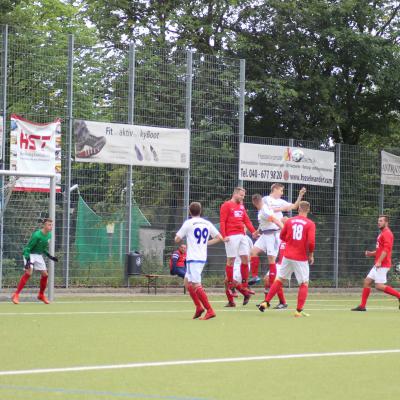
<point>148,347</point>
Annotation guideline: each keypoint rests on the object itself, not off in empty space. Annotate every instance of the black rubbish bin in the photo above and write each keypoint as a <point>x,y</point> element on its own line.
<point>134,263</point>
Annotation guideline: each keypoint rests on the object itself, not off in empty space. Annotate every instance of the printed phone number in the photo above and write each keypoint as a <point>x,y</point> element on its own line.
<point>260,174</point>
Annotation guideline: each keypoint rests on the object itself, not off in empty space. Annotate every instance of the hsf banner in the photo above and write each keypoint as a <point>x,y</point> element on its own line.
<point>35,147</point>
<point>110,143</point>
<point>390,169</point>
<point>286,164</point>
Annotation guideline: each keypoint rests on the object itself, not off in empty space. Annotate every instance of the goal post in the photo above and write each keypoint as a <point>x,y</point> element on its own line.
<point>51,213</point>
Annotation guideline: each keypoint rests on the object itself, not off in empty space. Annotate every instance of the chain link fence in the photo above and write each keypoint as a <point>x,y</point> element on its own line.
<point>104,211</point>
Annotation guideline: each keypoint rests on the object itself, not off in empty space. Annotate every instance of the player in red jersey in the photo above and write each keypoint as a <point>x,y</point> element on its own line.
<point>383,262</point>
<point>233,220</point>
<point>299,235</point>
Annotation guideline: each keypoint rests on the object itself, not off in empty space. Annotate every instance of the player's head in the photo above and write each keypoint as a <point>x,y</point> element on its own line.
<point>383,221</point>
<point>277,190</point>
<point>257,201</point>
<point>195,209</point>
<point>182,248</point>
<point>304,207</point>
<point>238,195</point>
<point>47,224</point>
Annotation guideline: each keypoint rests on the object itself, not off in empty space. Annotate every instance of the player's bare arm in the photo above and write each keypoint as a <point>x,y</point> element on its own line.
<point>295,206</point>
<point>311,258</point>
<point>177,239</point>
<point>370,253</point>
<point>217,239</point>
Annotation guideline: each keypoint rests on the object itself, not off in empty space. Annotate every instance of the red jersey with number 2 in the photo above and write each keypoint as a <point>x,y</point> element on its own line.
<point>299,235</point>
<point>385,243</point>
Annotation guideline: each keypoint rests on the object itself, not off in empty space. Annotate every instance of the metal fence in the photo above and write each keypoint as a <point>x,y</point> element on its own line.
<point>44,78</point>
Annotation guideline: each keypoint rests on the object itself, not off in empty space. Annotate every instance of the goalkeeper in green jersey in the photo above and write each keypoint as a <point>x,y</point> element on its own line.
<point>33,253</point>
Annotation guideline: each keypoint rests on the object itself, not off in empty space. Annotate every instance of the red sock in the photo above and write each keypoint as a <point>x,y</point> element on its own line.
<point>302,296</point>
<point>228,292</point>
<point>244,271</point>
<point>242,289</point>
<point>43,284</point>
<point>273,291</point>
<point>203,297</point>
<point>194,296</point>
<point>391,291</point>
<point>364,296</point>
<point>254,263</point>
<point>229,273</point>
<point>281,296</point>
<point>24,278</point>
<point>272,273</point>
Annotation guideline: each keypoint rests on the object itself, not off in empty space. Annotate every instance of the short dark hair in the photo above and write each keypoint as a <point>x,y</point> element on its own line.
<point>239,189</point>
<point>195,209</point>
<point>256,197</point>
<point>384,216</point>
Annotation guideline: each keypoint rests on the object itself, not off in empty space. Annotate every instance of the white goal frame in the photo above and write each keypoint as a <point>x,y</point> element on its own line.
<point>52,215</point>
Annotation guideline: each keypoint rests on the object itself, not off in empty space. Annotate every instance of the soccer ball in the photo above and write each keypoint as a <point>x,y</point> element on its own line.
<point>297,155</point>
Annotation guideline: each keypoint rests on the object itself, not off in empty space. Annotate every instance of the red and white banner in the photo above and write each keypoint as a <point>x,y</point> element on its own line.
<point>35,147</point>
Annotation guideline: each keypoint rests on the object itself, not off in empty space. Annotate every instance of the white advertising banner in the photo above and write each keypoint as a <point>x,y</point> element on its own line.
<point>286,164</point>
<point>390,169</point>
<point>103,142</point>
<point>35,147</point>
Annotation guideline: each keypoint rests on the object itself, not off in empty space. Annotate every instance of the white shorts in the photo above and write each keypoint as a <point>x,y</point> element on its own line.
<point>237,274</point>
<point>194,270</point>
<point>269,243</point>
<point>37,262</point>
<point>378,274</point>
<point>237,245</point>
<point>300,268</point>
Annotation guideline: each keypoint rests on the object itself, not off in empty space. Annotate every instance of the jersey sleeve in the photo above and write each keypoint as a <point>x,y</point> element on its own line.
<point>31,244</point>
<point>284,232</point>
<point>213,231</point>
<point>223,215</point>
<point>387,242</point>
<point>183,230</point>
<point>311,238</point>
<point>248,223</point>
<point>267,213</point>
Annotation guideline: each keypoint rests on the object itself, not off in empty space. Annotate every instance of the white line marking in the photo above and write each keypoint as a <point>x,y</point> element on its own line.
<point>199,361</point>
<point>61,313</point>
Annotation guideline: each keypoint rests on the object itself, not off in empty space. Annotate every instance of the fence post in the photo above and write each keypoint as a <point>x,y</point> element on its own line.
<point>68,172</point>
<point>381,191</point>
<point>242,88</point>
<point>290,189</point>
<point>188,125</point>
<point>337,215</point>
<point>3,138</point>
<point>131,113</point>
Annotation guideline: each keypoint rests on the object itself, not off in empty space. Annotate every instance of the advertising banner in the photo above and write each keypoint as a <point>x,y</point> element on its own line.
<point>35,147</point>
<point>286,164</point>
<point>110,143</point>
<point>390,169</point>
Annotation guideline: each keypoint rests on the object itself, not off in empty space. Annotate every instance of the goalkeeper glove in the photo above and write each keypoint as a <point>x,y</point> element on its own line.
<point>28,263</point>
<point>52,258</point>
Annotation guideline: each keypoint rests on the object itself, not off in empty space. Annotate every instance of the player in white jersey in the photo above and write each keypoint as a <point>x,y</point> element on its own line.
<point>278,205</point>
<point>197,231</point>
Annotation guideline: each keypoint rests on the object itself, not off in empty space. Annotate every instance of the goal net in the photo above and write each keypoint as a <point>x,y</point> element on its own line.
<point>21,212</point>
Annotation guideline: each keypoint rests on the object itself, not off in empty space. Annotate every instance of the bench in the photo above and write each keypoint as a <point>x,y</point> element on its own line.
<point>152,281</point>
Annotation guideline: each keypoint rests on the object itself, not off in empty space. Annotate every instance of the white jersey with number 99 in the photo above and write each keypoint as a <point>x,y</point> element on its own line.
<point>197,231</point>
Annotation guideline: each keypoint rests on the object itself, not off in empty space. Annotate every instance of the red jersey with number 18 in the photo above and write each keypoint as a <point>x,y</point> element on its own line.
<point>385,243</point>
<point>299,235</point>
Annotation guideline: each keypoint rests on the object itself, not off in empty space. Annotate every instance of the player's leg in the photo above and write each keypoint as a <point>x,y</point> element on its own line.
<point>281,296</point>
<point>196,270</point>
<point>40,266</point>
<point>368,281</point>
<point>302,272</point>
<point>192,292</point>
<point>28,269</point>
<point>254,265</point>
<point>284,274</point>
<point>380,283</point>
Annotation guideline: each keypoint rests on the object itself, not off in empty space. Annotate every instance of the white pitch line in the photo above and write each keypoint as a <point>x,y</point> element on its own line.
<point>62,313</point>
<point>198,361</point>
